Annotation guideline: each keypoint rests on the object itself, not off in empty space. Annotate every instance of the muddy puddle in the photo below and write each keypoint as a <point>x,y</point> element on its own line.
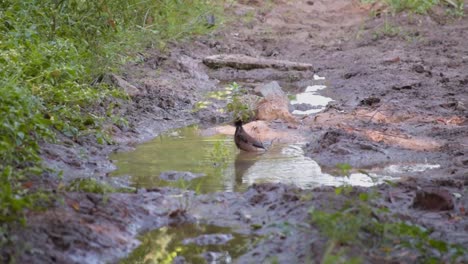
<point>310,101</point>
<point>190,243</point>
<point>182,150</point>
<point>189,158</point>
<point>185,159</point>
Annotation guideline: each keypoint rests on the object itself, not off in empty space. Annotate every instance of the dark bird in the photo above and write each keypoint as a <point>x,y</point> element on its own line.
<point>245,141</point>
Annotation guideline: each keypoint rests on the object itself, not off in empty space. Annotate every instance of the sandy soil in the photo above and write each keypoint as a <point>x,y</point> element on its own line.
<point>400,96</point>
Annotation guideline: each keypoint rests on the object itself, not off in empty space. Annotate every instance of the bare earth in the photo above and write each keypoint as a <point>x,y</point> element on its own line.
<point>400,96</point>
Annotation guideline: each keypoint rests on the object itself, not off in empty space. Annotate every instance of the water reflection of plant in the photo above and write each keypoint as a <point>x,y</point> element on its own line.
<point>220,154</point>
<point>164,245</point>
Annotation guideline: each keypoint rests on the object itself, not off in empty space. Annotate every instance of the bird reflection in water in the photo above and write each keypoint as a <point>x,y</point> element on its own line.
<point>244,160</point>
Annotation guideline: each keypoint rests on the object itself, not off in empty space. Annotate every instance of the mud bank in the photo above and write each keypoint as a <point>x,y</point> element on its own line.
<point>90,228</point>
<point>399,98</point>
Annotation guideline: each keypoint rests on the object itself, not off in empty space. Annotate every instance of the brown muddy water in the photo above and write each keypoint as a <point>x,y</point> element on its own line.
<point>225,168</point>
<point>179,150</point>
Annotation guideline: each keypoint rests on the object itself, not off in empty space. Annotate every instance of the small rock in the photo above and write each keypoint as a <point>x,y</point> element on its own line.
<point>217,257</point>
<point>179,260</point>
<point>418,68</point>
<point>433,199</point>
<point>349,75</point>
<point>119,82</point>
<point>304,107</point>
<point>270,90</point>
<point>174,134</point>
<point>391,60</point>
<point>403,87</point>
<point>444,80</point>
<point>271,52</point>
<point>369,101</point>
<point>166,103</point>
<point>210,20</point>
<point>180,175</point>
<point>211,239</point>
<point>274,105</point>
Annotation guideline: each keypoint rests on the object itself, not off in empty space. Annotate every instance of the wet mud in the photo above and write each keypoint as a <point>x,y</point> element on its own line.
<point>397,99</point>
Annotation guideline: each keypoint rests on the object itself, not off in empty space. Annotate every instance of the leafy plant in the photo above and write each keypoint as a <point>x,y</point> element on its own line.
<point>90,186</point>
<point>239,108</point>
<point>13,201</point>
<point>356,225</point>
<point>359,223</point>
<point>344,168</point>
<point>51,51</point>
<point>420,6</point>
<point>417,6</point>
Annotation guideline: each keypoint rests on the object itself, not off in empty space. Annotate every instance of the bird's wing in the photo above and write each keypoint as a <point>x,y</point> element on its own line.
<point>258,144</point>
<point>250,140</point>
<point>243,138</point>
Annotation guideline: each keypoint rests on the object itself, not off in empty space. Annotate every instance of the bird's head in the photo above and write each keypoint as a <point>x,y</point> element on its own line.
<point>238,122</point>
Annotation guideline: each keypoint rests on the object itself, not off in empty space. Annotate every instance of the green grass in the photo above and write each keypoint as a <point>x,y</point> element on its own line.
<point>50,53</point>
<point>417,6</point>
<point>360,224</point>
<point>420,6</point>
<point>363,224</point>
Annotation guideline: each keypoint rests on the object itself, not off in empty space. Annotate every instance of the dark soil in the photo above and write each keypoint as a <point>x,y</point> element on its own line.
<point>400,96</point>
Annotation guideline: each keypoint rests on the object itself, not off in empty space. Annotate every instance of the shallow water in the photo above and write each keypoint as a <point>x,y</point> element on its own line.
<point>179,150</point>
<point>311,97</point>
<point>228,169</point>
<point>195,243</point>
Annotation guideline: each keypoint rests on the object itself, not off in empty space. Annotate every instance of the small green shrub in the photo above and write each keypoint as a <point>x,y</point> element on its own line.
<point>417,6</point>
<point>13,201</point>
<point>239,108</point>
<point>356,225</point>
<point>421,6</point>
<point>90,185</point>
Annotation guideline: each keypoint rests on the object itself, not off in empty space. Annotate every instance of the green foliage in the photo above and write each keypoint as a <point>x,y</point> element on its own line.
<point>457,7</point>
<point>340,257</point>
<point>239,109</point>
<point>344,168</point>
<point>359,223</point>
<point>342,227</point>
<point>21,125</point>
<point>237,102</point>
<point>421,6</point>
<point>346,189</point>
<point>417,6</point>
<point>12,200</point>
<point>50,53</point>
<point>356,225</point>
<point>90,185</point>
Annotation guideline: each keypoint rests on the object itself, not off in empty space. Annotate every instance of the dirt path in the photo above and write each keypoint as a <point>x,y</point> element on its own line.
<point>400,96</point>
